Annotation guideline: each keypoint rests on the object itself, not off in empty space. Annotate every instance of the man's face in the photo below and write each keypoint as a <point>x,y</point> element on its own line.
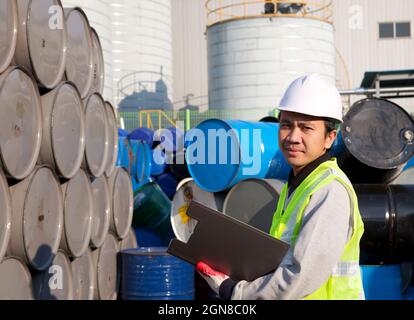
<point>303,139</point>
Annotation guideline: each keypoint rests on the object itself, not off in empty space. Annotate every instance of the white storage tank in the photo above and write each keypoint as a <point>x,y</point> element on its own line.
<point>142,42</point>
<point>99,14</point>
<point>253,56</point>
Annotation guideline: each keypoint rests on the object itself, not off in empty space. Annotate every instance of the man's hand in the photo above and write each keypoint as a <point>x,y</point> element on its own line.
<point>213,277</point>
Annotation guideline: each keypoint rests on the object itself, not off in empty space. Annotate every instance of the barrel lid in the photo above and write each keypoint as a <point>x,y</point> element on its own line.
<point>42,220</point>
<point>96,135</point>
<point>98,64</point>
<point>101,211</point>
<point>8,32</point>
<point>183,225</point>
<point>122,202</point>
<point>47,46</point>
<point>130,242</point>
<point>79,64</point>
<point>20,123</point>
<point>78,211</point>
<point>47,288</point>
<point>213,173</point>
<point>254,202</point>
<point>83,272</point>
<point>107,268</point>
<point>379,133</point>
<point>112,139</point>
<point>16,281</point>
<point>5,215</point>
<point>156,251</point>
<point>68,130</point>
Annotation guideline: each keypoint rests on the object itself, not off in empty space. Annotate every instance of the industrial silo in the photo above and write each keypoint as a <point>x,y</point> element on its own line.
<point>142,48</point>
<point>99,14</point>
<point>255,49</point>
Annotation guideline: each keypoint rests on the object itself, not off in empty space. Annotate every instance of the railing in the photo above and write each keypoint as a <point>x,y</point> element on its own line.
<point>139,81</point>
<point>226,10</point>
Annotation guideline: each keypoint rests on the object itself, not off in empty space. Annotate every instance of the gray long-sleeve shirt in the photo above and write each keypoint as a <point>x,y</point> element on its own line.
<point>327,227</point>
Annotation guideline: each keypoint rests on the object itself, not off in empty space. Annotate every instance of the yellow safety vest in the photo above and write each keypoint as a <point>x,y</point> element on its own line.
<point>345,282</point>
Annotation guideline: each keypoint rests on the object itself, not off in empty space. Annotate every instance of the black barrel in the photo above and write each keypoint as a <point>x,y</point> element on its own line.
<point>376,141</point>
<point>388,215</point>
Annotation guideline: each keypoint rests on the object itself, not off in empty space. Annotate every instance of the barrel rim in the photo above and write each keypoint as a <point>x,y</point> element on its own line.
<point>112,163</point>
<point>91,270</point>
<point>107,219</point>
<point>8,216</point>
<point>12,49</point>
<point>95,34</point>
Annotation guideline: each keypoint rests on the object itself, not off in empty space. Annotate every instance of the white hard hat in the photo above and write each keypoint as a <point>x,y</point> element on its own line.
<point>311,95</point>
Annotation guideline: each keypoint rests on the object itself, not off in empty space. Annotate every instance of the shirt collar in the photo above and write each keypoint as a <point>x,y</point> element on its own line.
<point>295,181</point>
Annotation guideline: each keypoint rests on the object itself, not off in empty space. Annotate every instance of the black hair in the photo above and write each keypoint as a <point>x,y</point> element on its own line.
<point>331,125</point>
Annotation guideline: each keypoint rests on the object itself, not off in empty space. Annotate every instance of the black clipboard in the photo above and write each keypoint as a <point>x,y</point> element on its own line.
<point>229,246</point>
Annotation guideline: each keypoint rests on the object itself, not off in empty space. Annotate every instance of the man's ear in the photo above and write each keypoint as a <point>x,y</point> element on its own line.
<point>330,139</point>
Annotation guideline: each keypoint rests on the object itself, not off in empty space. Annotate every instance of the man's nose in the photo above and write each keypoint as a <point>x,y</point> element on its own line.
<point>294,136</point>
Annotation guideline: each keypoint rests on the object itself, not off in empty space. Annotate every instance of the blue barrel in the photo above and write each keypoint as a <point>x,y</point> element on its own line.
<point>242,157</point>
<point>122,132</point>
<point>153,274</point>
<point>142,134</point>
<point>158,162</point>
<point>168,183</point>
<point>124,153</point>
<point>382,282</point>
<point>147,238</point>
<point>141,161</point>
<point>172,139</point>
<point>409,294</point>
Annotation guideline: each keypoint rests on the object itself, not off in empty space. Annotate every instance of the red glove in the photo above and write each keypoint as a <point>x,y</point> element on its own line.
<point>213,277</point>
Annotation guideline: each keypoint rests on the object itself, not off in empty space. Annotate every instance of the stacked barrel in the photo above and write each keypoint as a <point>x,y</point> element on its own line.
<point>66,209</point>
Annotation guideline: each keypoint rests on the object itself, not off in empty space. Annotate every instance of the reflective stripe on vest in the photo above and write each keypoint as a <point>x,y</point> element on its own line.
<point>345,281</point>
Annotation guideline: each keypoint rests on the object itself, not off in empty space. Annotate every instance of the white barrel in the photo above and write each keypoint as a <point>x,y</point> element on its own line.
<point>5,215</point>
<point>130,242</point>
<point>37,217</point>
<point>56,283</point>
<point>182,224</point>
<point>101,211</point>
<point>112,139</point>
<point>254,202</point>
<point>42,40</point>
<point>79,62</point>
<point>20,123</point>
<point>122,199</point>
<point>98,64</point>
<point>16,280</point>
<point>77,215</point>
<point>96,124</point>
<point>63,142</point>
<point>106,269</point>
<point>8,32</point>
<point>83,272</point>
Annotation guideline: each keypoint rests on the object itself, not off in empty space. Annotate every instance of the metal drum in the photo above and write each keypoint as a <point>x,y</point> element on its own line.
<point>388,215</point>
<point>122,199</point>
<point>42,40</point>
<point>178,166</point>
<point>96,151</point>
<point>130,242</point>
<point>254,202</point>
<point>158,162</point>
<point>112,139</point>
<point>168,183</point>
<point>98,79</point>
<point>106,270</point>
<point>141,161</point>
<point>21,123</point>
<point>142,134</point>
<point>152,274</point>
<point>152,209</point>
<point>16,281</point>
<point>147,238</point>
<point>84,278</point>
<point>79,62</point>
<point>124,156</point>
<point>55,283</point>
<point>188,191</point>
<point>376,142</point>
<point>101,211</point>
<point>8,32</point>
<point>37,217</point>
<point>5,215</point>
<point>77,215</point>
<point>63,142</point>
<point>382,282</point>
<point>217,164</point>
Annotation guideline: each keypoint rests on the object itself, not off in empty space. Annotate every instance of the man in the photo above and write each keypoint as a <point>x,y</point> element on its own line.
<point>317,211</point>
